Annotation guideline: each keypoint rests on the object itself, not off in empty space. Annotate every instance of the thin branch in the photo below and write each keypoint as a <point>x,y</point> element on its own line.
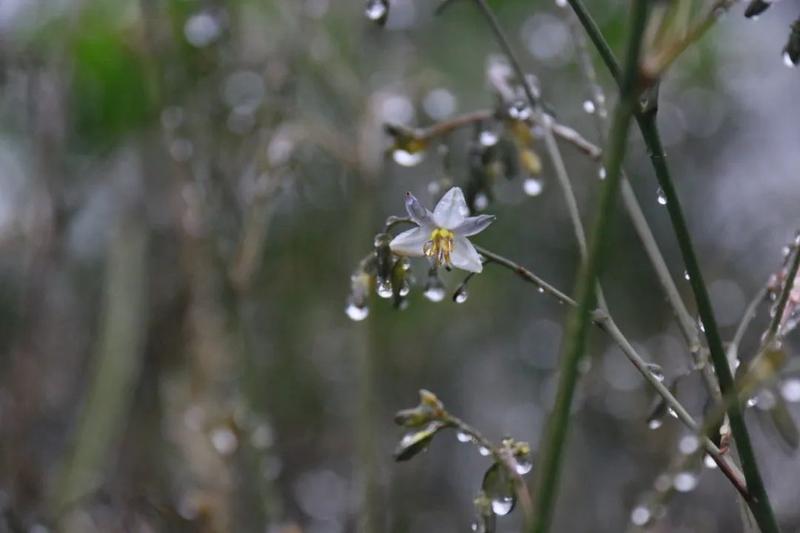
<point>562,131</point>
<point>783,298</point>
<point>603,321</point>
<point>647,124</point>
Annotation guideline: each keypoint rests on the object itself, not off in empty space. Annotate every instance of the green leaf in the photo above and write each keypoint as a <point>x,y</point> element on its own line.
<point>416,441</point>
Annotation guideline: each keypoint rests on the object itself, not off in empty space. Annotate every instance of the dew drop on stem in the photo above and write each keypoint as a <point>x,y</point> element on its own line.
<point>661,197</point>
<point>463,437</point>
<point>589,107</point>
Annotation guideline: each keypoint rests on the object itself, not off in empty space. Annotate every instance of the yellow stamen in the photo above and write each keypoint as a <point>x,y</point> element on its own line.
<point>440,246</point>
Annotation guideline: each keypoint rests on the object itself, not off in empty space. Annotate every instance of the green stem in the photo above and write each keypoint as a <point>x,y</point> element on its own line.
<point>647,124</point>
<point>554,436</point>
<point>760,506</point>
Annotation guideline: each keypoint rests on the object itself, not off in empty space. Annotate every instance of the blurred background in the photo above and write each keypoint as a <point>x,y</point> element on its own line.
<point>186,187</point>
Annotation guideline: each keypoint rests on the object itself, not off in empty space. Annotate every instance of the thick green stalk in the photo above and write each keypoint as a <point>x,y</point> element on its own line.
<point>554,437</point>
<point>647,124</point>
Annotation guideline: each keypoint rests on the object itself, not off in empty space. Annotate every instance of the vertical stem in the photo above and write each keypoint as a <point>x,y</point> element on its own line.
<point>554,437</point>
<point>761,506</point>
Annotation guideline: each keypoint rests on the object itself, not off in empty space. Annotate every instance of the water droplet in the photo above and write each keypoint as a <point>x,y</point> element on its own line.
<point>384,289</point>
<point>488,138</point>
<point>523,466</point>
<point>481,201</point>
<point>601,173</point>
<point>474,526</point>
<point>655,423</point>
<point>532,186</point>
<point>640,515</point>
<point>661,197</point>
<point>377,11</point>
<point>404,290</point>
<point>502,506</point>
<point>701,325</point>
<point>519,111</point>
<point>589,106</point>
<point>224,440</point>
<point>484,451</point>
<point>463,436</point>
<point>787,60</point>
<point>435,293</point>
<point>790,390</point>
<point>709,462</point>
<point>356,313</point>
<point>688,444</point>
<point>672,412</point>
<point>407,159</point>
<point>541,290</point>
<point>656,371</point>
<point>201,29</point>
<point>686,276</point>
<point>460,296</point>
<point>684,482</point>
<point>752,402</point>
<point>561,3</point>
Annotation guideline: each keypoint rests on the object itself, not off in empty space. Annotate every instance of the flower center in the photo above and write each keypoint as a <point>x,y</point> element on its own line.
<point>440,246</point>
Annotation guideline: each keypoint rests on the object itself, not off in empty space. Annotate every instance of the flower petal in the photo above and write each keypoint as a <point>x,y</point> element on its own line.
<point>451,210</point>
<point>410,242</point>
<point>417,211</point>
<point>474,225</point>
<point>465,256</point>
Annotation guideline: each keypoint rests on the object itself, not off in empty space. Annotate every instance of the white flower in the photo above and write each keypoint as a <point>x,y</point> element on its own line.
<point>442,235</point>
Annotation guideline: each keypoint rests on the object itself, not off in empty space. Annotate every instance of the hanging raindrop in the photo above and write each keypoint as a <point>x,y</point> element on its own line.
<point>461,296</point>
<point>355,312</point>
<point>589,106</point>
<point>377,11</point>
